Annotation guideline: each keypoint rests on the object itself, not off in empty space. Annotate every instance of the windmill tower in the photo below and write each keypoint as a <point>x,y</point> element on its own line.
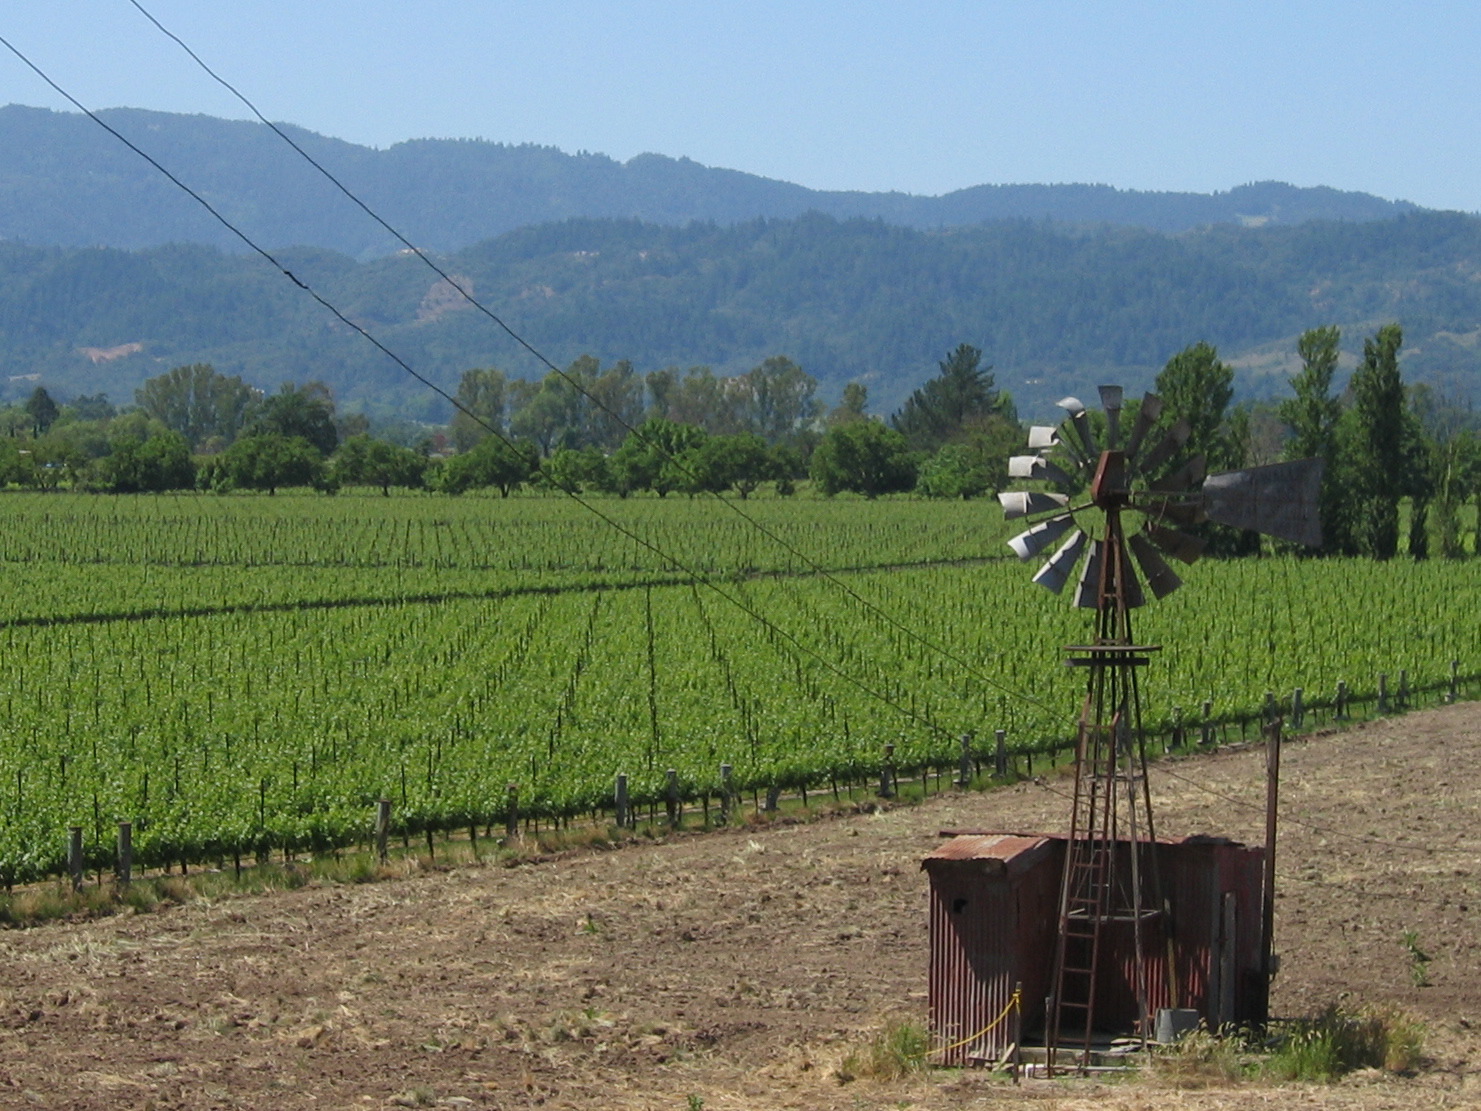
<point>1111,906</point>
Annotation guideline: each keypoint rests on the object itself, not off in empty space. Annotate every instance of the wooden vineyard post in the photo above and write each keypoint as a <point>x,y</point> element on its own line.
<point>1403,688</point>
<point>621,800</point>
<point>1177,727</point>
<point>125,853</point>
<point>1340,711</point>
<point>671,799</point>
<point>725,794</point>
<point>511,813</point>
<point>1383,692</point>
<point>1454,692</point>
<point>887,773</point>
<point>964,768</point>
<point>74,856</point>
<point>382,828</point>
<point>1000,753</point>
<point>1298,709</point>
<point>1206,738</point>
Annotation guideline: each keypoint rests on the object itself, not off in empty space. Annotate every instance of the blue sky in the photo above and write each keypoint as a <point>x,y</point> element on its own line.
<point>921,97</point>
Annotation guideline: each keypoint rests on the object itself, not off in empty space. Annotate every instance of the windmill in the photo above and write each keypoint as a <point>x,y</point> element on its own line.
<point>1110,895</point>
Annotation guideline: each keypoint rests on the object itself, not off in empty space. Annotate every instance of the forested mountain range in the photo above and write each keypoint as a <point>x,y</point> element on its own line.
<point>1054,309</point>
<point>66,182</point>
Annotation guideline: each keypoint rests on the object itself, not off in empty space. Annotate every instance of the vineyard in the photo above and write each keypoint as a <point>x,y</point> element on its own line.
<point>248,674</point>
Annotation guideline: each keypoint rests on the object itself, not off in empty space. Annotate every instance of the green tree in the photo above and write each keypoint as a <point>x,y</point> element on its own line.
<point>742,461</point>
<point>481,407</point>
<point>574,469</point>
<point>956,471</point>
<point>42,410</point>
<point>654,457</point>
<point>866,457</point>
<point>495,462</point>
<point>268,461</point>
<point>777,399</point>
<point>365,461</point>
<point>1197,387</point>
<point>299,412</point>
<point>851,406</point>
<point>198,403</point>
<point>159,463</point>
<point>1312,417</point>
<point>1376,449</point>
<point>960,394</point>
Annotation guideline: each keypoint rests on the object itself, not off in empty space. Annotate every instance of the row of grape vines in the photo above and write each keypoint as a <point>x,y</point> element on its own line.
<point>230,707</point>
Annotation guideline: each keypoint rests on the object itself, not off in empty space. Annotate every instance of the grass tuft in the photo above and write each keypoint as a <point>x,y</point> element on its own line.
<point>1339,1040</point>
<point>896,1051</point>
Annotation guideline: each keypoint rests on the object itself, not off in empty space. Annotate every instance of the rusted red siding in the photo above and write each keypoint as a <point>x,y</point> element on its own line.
<point>994,920</point>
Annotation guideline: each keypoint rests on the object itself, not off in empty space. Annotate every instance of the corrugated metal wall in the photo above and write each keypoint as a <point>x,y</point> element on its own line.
<point>994,913</point>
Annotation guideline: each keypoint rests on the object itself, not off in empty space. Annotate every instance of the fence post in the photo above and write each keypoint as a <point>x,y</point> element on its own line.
<point>1383,692</point>
<point>74,856</point>
<point>621,800</point>
<point>1341,708</point>
<point>1206,736</point>
<point>964,768</point>
<point>511,813</point>
<point>725,798</point>
<point>382,828</point>
<point>1271,709</point>
<point>125,853</point>
<point>887,773</point>
<point>671,798</point>
<point>1298,709</point>
<point>1403,688</point>
<point>1000,753</point>
<point>1454,681</point>
<point>1177,727</point>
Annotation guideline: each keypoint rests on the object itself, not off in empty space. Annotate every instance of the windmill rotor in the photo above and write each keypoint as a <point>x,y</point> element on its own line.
<point>1168,493</point>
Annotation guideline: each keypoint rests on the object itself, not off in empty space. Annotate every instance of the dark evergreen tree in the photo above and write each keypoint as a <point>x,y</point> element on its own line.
<point>938,411</point>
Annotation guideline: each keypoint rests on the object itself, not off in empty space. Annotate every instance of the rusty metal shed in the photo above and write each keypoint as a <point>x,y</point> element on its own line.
<point>994,920</point>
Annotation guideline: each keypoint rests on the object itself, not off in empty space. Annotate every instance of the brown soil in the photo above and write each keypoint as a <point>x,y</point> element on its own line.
<point>737,968</point>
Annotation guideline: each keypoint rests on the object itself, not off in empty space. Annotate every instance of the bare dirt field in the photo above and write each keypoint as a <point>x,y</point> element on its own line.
<point>736,969</point>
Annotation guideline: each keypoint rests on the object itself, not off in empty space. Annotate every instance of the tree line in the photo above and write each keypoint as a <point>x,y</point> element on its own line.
<point>614,431</point>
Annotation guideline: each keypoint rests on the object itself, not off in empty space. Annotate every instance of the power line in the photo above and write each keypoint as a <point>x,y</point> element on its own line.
<point>616,525</point>
<point>575,383</point>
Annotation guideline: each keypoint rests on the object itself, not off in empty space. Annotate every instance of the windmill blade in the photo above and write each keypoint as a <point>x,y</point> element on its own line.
<point>1087,593</point>
<point>1056,571</point>
<point>1028,544</point>
<point>1076,409</point>
<point>1161,578</point>
<point>1279,499</point>
<point>1176,437</point>
<point>1022,503</point>
<point>1146,417</point>
<point>1042,437</point>
<point>1177,544</point>
<point>1110,401</point>
<point>1190,474</point>
<point>1033,466</point>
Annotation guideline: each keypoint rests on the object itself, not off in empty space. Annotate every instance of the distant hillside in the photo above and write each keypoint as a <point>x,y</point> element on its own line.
<point>66,182</point>
<point>1055,311</point>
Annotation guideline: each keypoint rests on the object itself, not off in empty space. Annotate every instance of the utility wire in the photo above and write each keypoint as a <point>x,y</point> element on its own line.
<point>696,575</point>
<point>575,383</point>
<point>1377,842</point>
